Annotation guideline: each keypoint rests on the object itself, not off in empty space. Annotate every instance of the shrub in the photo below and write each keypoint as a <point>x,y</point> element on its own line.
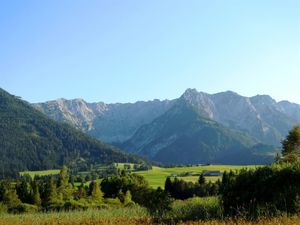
<point>75,205</point>
<point>3,208</point>
<point>23,208</point>
<point>113,202</point>
<point>196,209</point>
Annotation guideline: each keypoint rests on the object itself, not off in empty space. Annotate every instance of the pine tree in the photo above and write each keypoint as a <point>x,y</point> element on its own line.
<point>65,189</point>
<point>63,177</point>
<point>36,195</point>
<point>97,194</point>
<point>201,179</point>
<point>51,192</point>
<point>168,185</point>
<point>24,191</point>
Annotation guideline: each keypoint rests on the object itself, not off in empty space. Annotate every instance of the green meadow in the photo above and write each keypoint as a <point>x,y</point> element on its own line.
<point>157,175</point>
<point>40,173</point>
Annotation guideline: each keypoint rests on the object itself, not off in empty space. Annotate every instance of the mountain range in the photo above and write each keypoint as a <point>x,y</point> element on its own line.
<point>195,128</point>
<point>29,140</point>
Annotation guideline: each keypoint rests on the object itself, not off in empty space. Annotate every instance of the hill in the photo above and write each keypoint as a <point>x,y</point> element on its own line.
<point>31,141</point>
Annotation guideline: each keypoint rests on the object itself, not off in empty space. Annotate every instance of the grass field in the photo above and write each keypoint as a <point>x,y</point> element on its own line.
<point>40,173</point>
<point>121,217</point>
<point>157,176</point>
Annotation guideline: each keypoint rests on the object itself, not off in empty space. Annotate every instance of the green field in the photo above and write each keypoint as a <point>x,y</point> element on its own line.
<point>157,176</point>
<point>40,173</point>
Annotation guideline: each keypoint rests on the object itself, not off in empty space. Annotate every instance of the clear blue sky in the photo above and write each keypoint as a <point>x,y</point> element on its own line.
<point>123,51</point>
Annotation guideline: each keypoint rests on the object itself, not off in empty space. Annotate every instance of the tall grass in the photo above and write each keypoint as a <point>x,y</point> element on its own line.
<point>134,215</point>
<point>196,209</point>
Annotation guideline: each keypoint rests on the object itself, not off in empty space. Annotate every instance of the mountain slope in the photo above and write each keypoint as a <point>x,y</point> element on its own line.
<point>109,122</point>
<point>182,135</point>
<point>260,117</point>
<point>31,141</point>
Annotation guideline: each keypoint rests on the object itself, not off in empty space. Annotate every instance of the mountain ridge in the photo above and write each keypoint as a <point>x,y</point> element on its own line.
<point>32,141</point>
<point>259,117</point>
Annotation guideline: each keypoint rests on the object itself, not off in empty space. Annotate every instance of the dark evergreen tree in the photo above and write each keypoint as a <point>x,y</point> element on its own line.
<point>168,185</point>
<point>201,179</point>
<point>24,191</point>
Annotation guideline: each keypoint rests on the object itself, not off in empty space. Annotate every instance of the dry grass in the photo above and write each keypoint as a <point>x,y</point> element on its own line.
<point>90,218</point>
<point>274,221</point>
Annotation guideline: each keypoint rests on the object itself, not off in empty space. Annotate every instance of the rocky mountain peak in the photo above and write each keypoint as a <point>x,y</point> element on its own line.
<point>263,99</point>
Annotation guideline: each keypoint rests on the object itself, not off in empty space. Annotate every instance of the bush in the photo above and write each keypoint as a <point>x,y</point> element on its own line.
<point>157,202</point>
<point>113,202</point>
<point>3,208</point>
<point>24,208</point>
<point>196,209</point>
<point>75,205</point>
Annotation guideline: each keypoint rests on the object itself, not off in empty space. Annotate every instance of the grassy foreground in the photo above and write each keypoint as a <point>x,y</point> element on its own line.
<point>120,217</point>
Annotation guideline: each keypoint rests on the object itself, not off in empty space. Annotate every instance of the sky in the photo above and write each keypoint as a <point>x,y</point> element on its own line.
<point>130,50</point>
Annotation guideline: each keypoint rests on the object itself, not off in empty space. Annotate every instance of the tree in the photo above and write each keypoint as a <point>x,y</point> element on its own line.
<point>65,189</point>
<point>291,145</point>
<point>168,185</point>
<point>201,179</point>
<point>24,191</point>
<point>97,194</point>
<point>127,199</point>
<point>36,195</point>
<point>51,192</point>
<point>10,198</point>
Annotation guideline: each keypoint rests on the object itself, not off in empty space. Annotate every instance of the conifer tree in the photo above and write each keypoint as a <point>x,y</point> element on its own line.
<point>11,198</point>
<point>51,192</point>
<point>201,179</point>
<point>168,185</point>
<point>65,189</point>
<point>36,195</point>
<point>97,194</point>
<point>23,189</point>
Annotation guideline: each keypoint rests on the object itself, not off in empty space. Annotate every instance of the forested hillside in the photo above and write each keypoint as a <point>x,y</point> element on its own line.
<point>31,141</point>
